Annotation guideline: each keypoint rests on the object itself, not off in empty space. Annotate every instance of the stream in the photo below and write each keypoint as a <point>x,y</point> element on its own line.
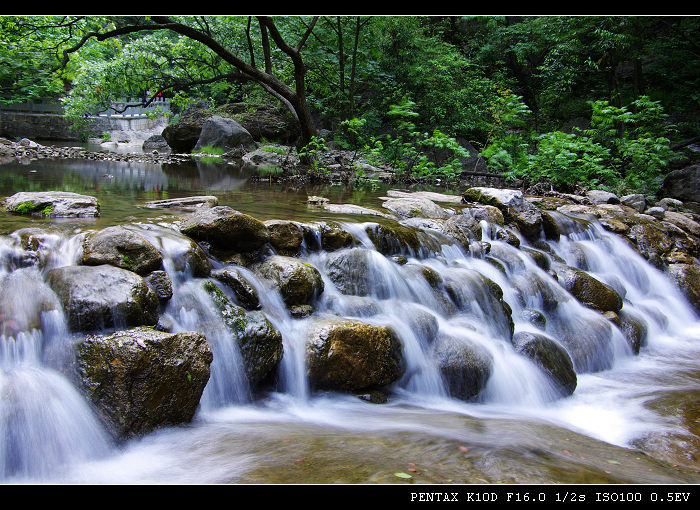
<point>633,419</point>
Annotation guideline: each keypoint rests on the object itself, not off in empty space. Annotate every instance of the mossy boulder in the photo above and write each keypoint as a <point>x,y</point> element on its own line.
<point>333,237</point>
<point>226,229</point>
<point>58,204</point>
<point>258,340</point>
<point>140,379</point>
<point>298,282</point>
<point>120,247</point>
<point>244,291</point>
<point>550,356</point>
<point>391,238</point>
<point>349,355</point>
<point>99,297</point>
<point>285,236</point>
<point>587,289</point>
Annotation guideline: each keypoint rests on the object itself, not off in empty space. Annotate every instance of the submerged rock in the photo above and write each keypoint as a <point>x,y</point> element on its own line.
<point>23,300</point>
<point>241,287</point>
<point>99,297</point>
<point>185,204</point>
<point>587,289</point>
<point>58,204</point>
<point>394,239</point>
<point>687,277</point>
<point>352,356</point>
<point>140,380</point>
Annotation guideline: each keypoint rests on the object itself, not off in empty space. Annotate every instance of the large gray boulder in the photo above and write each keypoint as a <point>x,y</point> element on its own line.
<point>58,204</point>
<point>156,143</point>
<point>141,379</point>
<point>350,355</point>
<point>183,135</point>
<point>99,297</point>
<point>224,133</point>
<point>120,247</point>
<point>682,184</point>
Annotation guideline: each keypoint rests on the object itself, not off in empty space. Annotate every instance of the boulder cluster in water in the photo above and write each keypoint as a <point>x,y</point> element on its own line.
<point>141,372</point>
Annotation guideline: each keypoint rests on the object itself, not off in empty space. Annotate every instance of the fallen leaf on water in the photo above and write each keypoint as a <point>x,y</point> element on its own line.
<point>411,463</point>
<point>412,470</point>
<point>403,475</point>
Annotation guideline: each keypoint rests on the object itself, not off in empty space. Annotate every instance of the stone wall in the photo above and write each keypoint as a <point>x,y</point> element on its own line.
<point>44,126</point>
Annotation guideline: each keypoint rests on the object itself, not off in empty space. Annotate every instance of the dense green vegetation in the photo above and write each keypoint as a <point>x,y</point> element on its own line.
<point>567,100</point>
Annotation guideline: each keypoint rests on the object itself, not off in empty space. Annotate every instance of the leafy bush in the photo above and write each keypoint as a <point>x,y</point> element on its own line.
<point>626,149</point>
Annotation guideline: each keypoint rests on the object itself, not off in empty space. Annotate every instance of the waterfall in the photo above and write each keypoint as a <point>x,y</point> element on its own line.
<point>441,301</point>
<point>45,423</point>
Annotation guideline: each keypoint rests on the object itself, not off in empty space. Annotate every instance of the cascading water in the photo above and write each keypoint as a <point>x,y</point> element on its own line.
<point>45,423</point>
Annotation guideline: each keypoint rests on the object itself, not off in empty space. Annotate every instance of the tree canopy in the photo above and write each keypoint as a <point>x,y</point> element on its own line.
<point>398,87</point>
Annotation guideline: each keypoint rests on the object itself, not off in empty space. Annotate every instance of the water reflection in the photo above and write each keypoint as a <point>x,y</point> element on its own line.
<point>123,187</point>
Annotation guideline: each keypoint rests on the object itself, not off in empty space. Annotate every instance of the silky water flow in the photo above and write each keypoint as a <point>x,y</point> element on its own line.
<point>48,432</point>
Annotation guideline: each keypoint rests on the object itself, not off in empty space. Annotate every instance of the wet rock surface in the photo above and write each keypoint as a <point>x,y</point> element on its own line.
<point>58,204</point>
<point>140,379</point>
<point>346,355</point>
<point>121,247</point>
<point>102,297</point>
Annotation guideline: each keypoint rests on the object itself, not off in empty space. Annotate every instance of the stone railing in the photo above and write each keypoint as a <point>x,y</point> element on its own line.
<point>119,108</point>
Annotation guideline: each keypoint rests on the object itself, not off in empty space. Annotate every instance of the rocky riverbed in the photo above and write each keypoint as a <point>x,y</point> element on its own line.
<point>117,292</point>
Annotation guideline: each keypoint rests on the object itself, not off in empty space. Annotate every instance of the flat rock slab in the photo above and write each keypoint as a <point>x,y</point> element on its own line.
<point>186,203</point>
<point>58,204</point>
<point>435,197</point>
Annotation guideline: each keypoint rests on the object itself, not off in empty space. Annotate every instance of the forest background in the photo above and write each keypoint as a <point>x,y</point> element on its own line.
<point>606,102</point>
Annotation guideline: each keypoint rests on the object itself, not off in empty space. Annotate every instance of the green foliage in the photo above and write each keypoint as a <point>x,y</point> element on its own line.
<point>310,152</point>
<point>626,148</point>
<point>209,149</point>
<point>415,154</point>
<point>25,207</point>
